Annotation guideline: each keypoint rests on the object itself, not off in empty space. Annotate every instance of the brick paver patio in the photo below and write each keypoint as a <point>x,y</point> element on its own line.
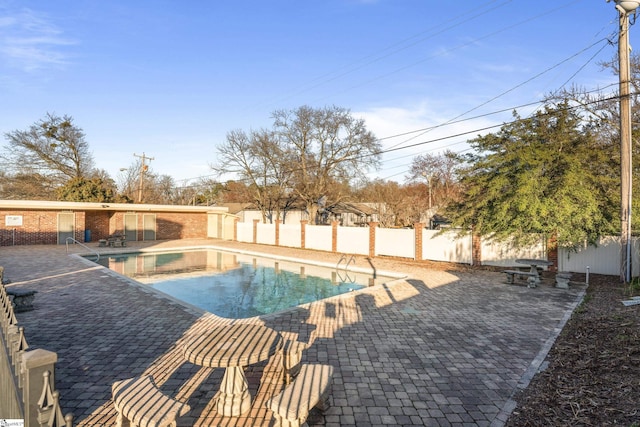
<point>442,348</point>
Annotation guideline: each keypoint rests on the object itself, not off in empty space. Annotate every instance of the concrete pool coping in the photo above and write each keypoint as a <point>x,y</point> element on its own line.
<point>369,270</point>
<point>199,311</point>
<point>440,348</point>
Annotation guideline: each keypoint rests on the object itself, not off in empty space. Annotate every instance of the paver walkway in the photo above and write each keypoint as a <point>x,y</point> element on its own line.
<point>442,348</point>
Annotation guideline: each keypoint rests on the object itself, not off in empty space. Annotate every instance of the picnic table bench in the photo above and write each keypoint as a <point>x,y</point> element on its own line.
<point>308,390</point>
<point>533,276</point>
<point>139,402</point>
<point>511,275</point>
<point>115,240</point>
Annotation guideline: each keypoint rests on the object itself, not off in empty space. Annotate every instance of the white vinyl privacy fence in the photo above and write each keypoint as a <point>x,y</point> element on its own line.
<point>432,245</point>
<point>601,259</point>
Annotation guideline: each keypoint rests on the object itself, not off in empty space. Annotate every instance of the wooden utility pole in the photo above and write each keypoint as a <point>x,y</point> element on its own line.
<point>625,8</point>
<point>143,170</point>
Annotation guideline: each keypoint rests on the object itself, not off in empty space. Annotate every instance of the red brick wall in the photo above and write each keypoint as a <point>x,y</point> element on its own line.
<point>180,225</point>
<point>80,226</point>
<point>38,227</point>
<point>98,223</point>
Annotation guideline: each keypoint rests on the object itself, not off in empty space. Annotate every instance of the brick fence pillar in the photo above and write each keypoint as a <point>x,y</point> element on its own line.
<point>334,236</point>
<point>255,230</point>
<point>278,222</point>
<point>235,228</point>
<point>418,227</point>
<point>303,233</point>
<point>476,249</point>
<point>372,238</point>
<point>552,252</point>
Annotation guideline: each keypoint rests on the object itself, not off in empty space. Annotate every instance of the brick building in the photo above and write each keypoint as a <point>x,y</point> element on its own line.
<point>28,222</point>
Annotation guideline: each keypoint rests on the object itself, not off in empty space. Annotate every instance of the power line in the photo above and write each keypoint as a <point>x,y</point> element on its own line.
<point>391,49</point>
<point>519,85</point>
<point>457,135</point>
<point>413,40</point>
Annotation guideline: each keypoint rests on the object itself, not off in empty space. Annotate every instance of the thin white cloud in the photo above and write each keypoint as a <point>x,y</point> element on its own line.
<point>389,121</point>
<point>30,42</point>
<point>423,129</point>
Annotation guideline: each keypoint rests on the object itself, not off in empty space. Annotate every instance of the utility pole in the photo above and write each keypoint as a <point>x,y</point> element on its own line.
<point>143,170</point>
<point>625,9</point>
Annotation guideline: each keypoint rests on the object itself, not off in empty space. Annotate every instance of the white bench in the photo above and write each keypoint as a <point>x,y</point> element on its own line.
<point>562,279</point>
<point>140,403</point>
<point>22,299</point>
<point>309,389</point>
<point>512,273</point>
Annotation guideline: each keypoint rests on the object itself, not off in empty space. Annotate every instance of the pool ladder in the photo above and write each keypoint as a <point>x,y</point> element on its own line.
<point>83,245</point>
<point>348,261</point>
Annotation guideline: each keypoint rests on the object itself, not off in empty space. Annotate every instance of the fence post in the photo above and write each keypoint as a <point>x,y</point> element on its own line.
<point>372,238</point>
<point>20,347</point>
<point>476,249</point>
<point>334,236</point>
<point>255,230</point>
<point>278,222</point>
<point>35,363</point>
<point>235,228</point>
<point>552,252</point>
<point>417,228</point>
<point>303,233</point>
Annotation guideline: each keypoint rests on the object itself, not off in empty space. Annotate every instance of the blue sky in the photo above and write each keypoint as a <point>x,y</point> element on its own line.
<point>171,78</point>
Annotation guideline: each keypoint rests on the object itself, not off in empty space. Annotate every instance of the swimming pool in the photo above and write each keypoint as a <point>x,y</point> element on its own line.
<point>238,285</point>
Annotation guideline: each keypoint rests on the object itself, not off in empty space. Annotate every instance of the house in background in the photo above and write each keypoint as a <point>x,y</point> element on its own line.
<point>346,213</point>
<point>353,214</point>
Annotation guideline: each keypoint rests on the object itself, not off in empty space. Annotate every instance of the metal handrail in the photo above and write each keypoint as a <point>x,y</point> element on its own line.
<point>346,278</point>
<point>83,245</point>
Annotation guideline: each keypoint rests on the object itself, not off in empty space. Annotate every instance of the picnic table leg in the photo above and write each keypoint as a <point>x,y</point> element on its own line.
<point>233,398</point>
<point>533,280</point>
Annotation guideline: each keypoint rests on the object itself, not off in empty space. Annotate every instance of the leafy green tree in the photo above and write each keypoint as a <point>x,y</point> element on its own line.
<point>604,110</point>
<point>86,190</point>
<point>547,174</point>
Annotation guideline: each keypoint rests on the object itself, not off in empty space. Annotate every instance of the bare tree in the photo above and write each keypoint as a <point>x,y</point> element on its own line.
<point>396,205</point>
<point>145,186</point>
<point>128,181</point>
<point>264,164</point>
<point>310,156</point>
<point>330,148</point>
<point>438,172</point>
<point>26,186</point>
<point>53,148</point>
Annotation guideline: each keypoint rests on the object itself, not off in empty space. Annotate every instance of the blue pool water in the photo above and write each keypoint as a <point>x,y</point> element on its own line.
<point>236,285</point>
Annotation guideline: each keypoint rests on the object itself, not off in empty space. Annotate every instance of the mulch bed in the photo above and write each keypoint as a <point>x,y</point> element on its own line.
<point>593,375</point>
